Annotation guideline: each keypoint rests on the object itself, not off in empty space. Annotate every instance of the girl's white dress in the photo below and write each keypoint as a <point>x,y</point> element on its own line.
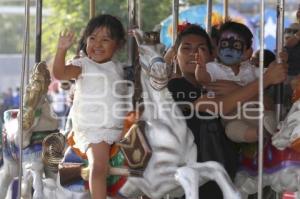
<point>99,105</point>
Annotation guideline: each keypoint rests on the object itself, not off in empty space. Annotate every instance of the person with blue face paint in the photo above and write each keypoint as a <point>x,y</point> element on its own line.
<point>234,47</point>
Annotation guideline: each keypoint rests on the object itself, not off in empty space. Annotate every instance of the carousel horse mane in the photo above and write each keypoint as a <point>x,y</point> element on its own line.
<point>35,90</point>
<point>37,113</point>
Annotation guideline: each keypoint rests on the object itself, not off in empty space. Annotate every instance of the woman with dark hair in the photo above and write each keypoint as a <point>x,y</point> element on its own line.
<point>203,118</point>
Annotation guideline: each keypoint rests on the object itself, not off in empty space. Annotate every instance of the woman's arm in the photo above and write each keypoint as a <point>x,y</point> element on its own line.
<point>222,87</point>
<point>275,74</point>
<point>60,70</point>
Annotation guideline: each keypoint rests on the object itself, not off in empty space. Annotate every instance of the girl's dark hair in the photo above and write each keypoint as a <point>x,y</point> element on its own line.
<point>113,24</point>
<point>240,29</point>
<point>193,29</point>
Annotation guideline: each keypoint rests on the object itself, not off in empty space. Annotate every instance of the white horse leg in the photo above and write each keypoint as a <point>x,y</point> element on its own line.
<point>36,171</point>
<point>244,195</point>
<point>189,180</point>
<point>8,171</point>
<point>26,188</point>
<point>193,175</point>
<point>12,191</point>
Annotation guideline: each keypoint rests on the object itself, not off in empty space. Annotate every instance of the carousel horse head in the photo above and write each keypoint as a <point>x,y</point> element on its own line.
<point>152,62</point>
<point>37,113</point>
<point>38,121</point>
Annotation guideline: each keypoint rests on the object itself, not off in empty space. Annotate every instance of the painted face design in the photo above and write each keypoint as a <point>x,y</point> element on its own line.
<point>231,49</point>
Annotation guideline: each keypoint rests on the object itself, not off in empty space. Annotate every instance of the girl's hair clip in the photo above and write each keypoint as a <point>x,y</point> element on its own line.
<point>182,27</point>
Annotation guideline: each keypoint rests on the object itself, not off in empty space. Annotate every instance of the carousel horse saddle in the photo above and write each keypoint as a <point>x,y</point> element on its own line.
<point>135,146</point>
<point>132,152</point>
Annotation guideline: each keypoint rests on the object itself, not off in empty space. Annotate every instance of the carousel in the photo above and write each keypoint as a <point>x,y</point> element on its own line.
<point>40,162</point>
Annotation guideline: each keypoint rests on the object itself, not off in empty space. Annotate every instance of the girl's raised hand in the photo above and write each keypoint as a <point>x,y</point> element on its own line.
<point>66,39</point>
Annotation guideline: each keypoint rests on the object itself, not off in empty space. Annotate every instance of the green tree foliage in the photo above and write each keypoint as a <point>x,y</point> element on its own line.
<point>11,33</point>
<point>74,14</point>
<point>196,2</point>
<point>7,27</point>
<point>63,15</point>
<point>153,12</point>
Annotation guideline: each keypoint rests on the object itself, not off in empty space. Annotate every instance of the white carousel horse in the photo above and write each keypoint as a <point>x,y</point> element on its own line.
<point>281,159</point>
<point>171,141</point>
<point>289,129</point>
<point>38,121</point>
<point>194,175</point>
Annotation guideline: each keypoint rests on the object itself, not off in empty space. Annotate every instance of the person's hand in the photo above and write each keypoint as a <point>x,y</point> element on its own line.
<point>66,39</point>
<point>222,87</point>
<point>284,56</point>
<point>137,34</point>
<point>200,64</point>
<point>276,73</point>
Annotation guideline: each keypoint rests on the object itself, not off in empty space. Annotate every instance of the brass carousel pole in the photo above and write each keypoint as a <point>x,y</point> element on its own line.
<point>261,93</point>
<point>175,18</point>
<point>92,8</point>
<point>208,16</point>
<point>279,48</point>
<point>25,69</point>
<point>175,13</point>
<point>38,31</point>
<point>133,21</point>
<point>225,10</point>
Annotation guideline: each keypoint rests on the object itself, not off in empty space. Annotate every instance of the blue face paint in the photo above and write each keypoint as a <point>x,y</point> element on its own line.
<point>230,51</point>
<point>230,56</point>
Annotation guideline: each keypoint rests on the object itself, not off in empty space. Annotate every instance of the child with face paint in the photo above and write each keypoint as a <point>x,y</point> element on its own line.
<point>234,46</point>
<point>232,50</point>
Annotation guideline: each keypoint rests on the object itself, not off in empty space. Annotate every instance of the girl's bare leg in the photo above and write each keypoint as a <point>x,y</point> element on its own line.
<point>98,157</point>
